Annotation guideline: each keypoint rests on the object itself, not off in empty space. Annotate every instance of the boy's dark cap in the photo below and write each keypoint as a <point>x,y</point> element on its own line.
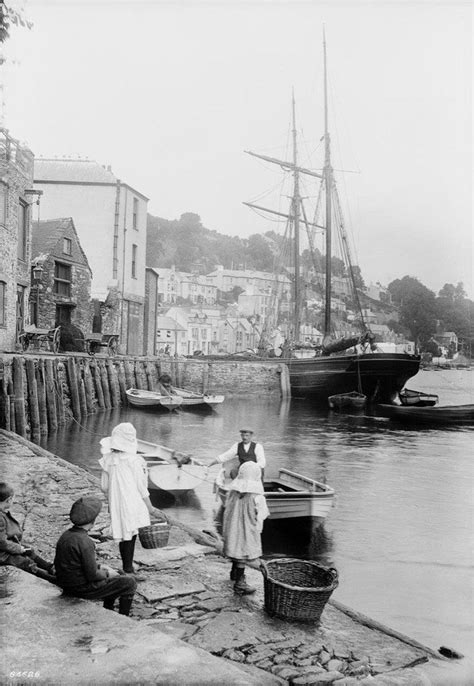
<point>85,510</point>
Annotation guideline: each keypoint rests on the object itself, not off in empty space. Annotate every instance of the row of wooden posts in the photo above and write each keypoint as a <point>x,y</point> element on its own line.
<point>40,394</point>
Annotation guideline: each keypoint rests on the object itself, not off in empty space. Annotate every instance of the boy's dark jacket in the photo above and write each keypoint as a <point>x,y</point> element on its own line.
<point>10,536</point>
<point>75,561</point>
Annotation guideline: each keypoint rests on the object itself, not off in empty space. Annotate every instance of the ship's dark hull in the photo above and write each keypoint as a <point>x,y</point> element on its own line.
<point>380,376</point>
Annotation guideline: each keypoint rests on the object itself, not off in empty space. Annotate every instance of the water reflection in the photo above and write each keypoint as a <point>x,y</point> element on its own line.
<point>400,531</point>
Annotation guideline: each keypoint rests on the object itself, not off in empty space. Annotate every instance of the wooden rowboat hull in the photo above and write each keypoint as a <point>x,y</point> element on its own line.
<point>169,470</point>
<point>293,496</point>
<point>140,398</point>
<point>439,415</point>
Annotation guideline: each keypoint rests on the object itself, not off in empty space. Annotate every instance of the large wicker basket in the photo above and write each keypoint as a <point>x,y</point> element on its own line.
<point>297,590</point>
<point>154,536</point>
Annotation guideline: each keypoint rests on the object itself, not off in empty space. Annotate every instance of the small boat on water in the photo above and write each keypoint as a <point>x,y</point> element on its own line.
<point>435,415</point>
<point>191,399</point>
<point>290,496</point>
<point>140,398</point>
<point>347,401</point>
<point>169,470</point>
<point>411,398</point>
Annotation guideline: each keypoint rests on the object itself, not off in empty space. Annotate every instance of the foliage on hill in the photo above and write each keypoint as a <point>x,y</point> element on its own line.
<point>422,312</point>
<point>188,245</point>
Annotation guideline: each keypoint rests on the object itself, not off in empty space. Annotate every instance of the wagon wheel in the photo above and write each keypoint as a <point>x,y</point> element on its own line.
<point>24,341</point>
<point>112,345</point>
<point>56,340</point>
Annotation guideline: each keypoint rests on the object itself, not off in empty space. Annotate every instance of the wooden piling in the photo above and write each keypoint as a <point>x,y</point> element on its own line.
<point>42,405</point>
<point>105,384</point>
<point>32,395</point>
<point>58,385</point>
<point>121,382</point>
<point>5,399</point>
<point>50,396</point>
<point>89,387</point>
<point>113,384</point>
<point>285,388</point>
<point>139,376</point>
<point>74,388</point>
<point>12,413</point>
<point>82,398</point>
<point>98,385</point>
<point>129,380</point>
<point>149,378</point>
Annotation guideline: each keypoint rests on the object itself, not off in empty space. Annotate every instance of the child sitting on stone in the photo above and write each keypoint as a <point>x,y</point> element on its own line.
<point>244,513</point>
<point>12,552</point>
<point>77,570</point>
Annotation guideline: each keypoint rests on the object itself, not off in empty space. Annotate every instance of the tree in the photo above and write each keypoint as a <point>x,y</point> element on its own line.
<point>417,306</point>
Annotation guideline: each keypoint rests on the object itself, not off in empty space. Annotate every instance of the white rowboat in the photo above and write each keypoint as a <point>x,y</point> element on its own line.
<point>190,399</point>
<point>169,470</point>
<point>291,495</point>
<point>140,398</point>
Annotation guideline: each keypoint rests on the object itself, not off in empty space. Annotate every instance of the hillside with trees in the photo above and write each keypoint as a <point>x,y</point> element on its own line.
<point>190,246</point>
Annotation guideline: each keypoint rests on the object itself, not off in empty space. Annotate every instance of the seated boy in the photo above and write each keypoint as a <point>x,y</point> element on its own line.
<point>77,571</point>
<point>12,552</point>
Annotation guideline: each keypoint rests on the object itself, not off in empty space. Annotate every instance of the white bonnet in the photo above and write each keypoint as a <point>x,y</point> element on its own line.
<point>123,438</point>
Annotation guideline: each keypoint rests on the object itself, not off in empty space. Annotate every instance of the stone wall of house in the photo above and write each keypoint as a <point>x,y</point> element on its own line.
<point>79,297</point>
<point>16,176</point>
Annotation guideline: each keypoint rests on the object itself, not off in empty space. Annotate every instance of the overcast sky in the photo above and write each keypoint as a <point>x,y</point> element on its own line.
<point>171,94</point>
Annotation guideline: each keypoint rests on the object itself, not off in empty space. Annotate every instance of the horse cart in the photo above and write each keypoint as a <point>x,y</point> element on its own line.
<point>40,339</point>
<point>93,342</point>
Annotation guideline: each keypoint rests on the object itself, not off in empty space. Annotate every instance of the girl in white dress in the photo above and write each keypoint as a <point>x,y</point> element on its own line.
<point>124,481</point>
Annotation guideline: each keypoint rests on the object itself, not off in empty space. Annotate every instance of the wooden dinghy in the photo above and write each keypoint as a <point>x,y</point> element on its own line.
<point>191,399</point>
<point>347,401</point>
<point>289,495</point>
<point>436,415</point>
<point>169,470</point>
<point>411,398</point>
<point>140,398</point>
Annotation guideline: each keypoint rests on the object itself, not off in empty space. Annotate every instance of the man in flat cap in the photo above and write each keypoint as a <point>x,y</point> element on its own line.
<point>246,450</point>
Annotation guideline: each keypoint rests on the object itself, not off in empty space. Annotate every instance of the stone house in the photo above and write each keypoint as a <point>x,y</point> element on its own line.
<point>171,336</point>
<point>110,219</point>
<point>16,200</point>
<point>61,295</point>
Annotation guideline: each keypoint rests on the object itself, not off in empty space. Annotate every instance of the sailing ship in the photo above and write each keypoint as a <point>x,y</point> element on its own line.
<point>332,370</point>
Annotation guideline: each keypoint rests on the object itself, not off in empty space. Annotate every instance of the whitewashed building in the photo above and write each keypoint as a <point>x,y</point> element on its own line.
<point>110,218</point>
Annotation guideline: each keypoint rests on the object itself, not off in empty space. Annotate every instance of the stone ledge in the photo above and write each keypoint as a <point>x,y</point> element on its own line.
<point>67,640</point>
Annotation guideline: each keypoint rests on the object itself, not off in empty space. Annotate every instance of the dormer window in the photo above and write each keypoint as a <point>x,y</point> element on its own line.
<point>67,246</point>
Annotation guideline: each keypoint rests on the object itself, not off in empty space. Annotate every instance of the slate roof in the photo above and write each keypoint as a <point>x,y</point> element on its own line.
<point>46,233</point>
<point>169,324</point>
<point>87,171</point>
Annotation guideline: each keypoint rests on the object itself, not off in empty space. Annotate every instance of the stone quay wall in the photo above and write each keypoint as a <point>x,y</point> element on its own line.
<point>40,393</point>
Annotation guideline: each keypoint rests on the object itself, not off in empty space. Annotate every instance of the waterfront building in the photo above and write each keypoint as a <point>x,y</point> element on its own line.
<point>17,199</point>
<point>110,219</point>
<point>61,276</point>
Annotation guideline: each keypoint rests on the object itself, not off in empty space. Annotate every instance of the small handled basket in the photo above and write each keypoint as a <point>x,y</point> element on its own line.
<point>154,536</point>
<point>297,590</point>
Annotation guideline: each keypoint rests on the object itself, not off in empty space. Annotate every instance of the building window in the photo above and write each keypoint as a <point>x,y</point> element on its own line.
<point>3,307</point>
<point>22,229</point>
<point>134,261</point>
<point>67,246</point>
<point>135,214</point>
<point>62,279</point>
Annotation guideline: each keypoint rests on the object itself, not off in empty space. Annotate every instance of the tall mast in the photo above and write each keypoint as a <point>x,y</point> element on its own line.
<point>296,223</point>
<point>328,183</point>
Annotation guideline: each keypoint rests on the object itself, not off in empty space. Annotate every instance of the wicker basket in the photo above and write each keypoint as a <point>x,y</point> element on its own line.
<point>297,590</point>
<point>154,536</point>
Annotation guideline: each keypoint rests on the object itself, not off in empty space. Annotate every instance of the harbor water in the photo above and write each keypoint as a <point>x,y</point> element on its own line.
<point>401,531</point>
